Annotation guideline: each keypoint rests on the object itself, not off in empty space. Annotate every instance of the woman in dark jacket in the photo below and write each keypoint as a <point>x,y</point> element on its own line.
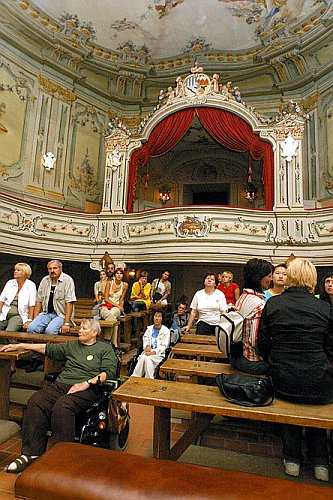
<point>296,338</point>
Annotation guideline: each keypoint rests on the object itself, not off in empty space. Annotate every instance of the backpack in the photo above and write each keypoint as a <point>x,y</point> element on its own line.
<point>174,336</point>
<point>229,332</point>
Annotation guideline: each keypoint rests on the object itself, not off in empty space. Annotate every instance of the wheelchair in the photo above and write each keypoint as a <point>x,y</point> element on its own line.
<point>132,364</point>
<point>106,423</point>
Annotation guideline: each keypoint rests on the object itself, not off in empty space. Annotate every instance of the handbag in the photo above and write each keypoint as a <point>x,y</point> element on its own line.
<point>118,414</point>
<point>157,296</point>
<point>246,390</point>
<point>127,307</point>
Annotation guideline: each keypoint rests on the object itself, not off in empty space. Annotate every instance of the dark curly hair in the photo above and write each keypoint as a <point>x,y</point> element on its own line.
<point>254,271</point>
<point>163,315</point>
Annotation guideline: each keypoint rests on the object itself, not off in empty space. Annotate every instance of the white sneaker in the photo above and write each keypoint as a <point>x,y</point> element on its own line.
<point>321,473</point>
<point>291,468</point>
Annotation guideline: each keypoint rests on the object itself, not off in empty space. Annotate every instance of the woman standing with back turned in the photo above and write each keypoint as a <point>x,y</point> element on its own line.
<point>296,338</point>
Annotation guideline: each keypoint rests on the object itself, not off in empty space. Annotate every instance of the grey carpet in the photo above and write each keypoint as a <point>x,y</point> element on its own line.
<point>7,430</point>
<point>34,379</point>
<point>252,464</point>
<point>20,396</point>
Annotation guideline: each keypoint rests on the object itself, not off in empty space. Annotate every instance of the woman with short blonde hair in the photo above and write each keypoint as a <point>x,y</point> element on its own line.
<point>25,268</point>
<point>18,299</point>
<point>17,302</point>
<point>301,272</point>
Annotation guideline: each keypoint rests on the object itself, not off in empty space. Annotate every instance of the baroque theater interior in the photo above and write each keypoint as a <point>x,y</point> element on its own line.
<point>185,136</point>
<point>175,155</point>
<point>168,155</point>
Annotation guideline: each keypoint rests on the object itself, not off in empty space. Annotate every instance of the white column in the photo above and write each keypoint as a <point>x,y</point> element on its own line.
<point>115,173</point>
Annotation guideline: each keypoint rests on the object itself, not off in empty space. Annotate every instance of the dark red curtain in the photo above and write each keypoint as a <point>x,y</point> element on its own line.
<point>164,137</point>
<point>227,128</point>
<point>233,132</point>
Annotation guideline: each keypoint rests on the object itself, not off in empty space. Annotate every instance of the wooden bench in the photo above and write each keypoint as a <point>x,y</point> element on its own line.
<point>205,402</point>
<point>35,337</point>
<point>5,362</point>
<point>192,338</point>
<point>126,328</point>
<point>49,365</point>
<point>194,369</point>
<point>85,300</point>
<point>199,351</point>
<point>144,316</point>
<point>72,471</point>
<point>107,328</point>
<point>153,308</point>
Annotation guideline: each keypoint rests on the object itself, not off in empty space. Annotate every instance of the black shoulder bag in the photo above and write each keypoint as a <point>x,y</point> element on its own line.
<point>157,296</point>
<point>246,390</point>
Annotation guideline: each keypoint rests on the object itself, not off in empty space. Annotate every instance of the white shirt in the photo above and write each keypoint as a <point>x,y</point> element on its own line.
<point>26,298</point>
<point>209,307</point>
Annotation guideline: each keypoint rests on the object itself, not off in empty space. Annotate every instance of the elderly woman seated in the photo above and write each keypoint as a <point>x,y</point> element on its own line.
<point>156,340</point>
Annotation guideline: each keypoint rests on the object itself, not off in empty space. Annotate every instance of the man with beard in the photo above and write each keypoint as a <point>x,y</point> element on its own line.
<point>110,270</point>
<point>54,310</point>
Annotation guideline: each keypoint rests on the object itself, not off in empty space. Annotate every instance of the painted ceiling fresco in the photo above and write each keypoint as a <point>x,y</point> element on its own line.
<point>166,28</point>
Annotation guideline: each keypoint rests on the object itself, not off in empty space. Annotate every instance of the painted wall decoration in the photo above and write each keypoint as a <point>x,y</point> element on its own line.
<point>13,117</point>
<point>191,226</point>
<point>85,179</point>
<point>149,25</point>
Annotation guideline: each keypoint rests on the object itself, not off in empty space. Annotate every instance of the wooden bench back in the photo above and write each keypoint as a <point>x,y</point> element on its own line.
<point>193,338</point>
<point>200,351</point>
<point>36,337</point>
<point>194,368</point>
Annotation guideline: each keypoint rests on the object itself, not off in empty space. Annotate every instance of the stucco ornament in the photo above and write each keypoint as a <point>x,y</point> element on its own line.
<point>48,161</point>
<point>289,147</point>
<point>191,226</point>
<point>114,159</point>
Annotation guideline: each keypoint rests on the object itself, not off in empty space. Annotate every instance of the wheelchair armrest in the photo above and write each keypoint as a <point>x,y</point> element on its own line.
<point>111,385</point>
<point>51,377</point>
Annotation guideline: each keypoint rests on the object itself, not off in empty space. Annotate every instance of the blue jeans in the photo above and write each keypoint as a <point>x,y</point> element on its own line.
<point>137,306</point>
<point>46,323</point>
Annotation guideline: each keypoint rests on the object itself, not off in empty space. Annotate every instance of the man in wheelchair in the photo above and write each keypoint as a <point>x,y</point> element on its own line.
<point>87,363</point>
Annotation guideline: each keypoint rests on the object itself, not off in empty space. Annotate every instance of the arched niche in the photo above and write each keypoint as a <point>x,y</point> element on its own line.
<point>227,118</point>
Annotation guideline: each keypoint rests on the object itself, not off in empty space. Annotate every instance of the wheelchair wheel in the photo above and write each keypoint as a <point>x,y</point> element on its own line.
<point>118,442</point>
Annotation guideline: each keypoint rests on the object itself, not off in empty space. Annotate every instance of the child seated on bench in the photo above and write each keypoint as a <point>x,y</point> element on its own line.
<point>156,340</point>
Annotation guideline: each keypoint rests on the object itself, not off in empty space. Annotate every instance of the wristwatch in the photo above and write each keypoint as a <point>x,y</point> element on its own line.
<point>66,324</point>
